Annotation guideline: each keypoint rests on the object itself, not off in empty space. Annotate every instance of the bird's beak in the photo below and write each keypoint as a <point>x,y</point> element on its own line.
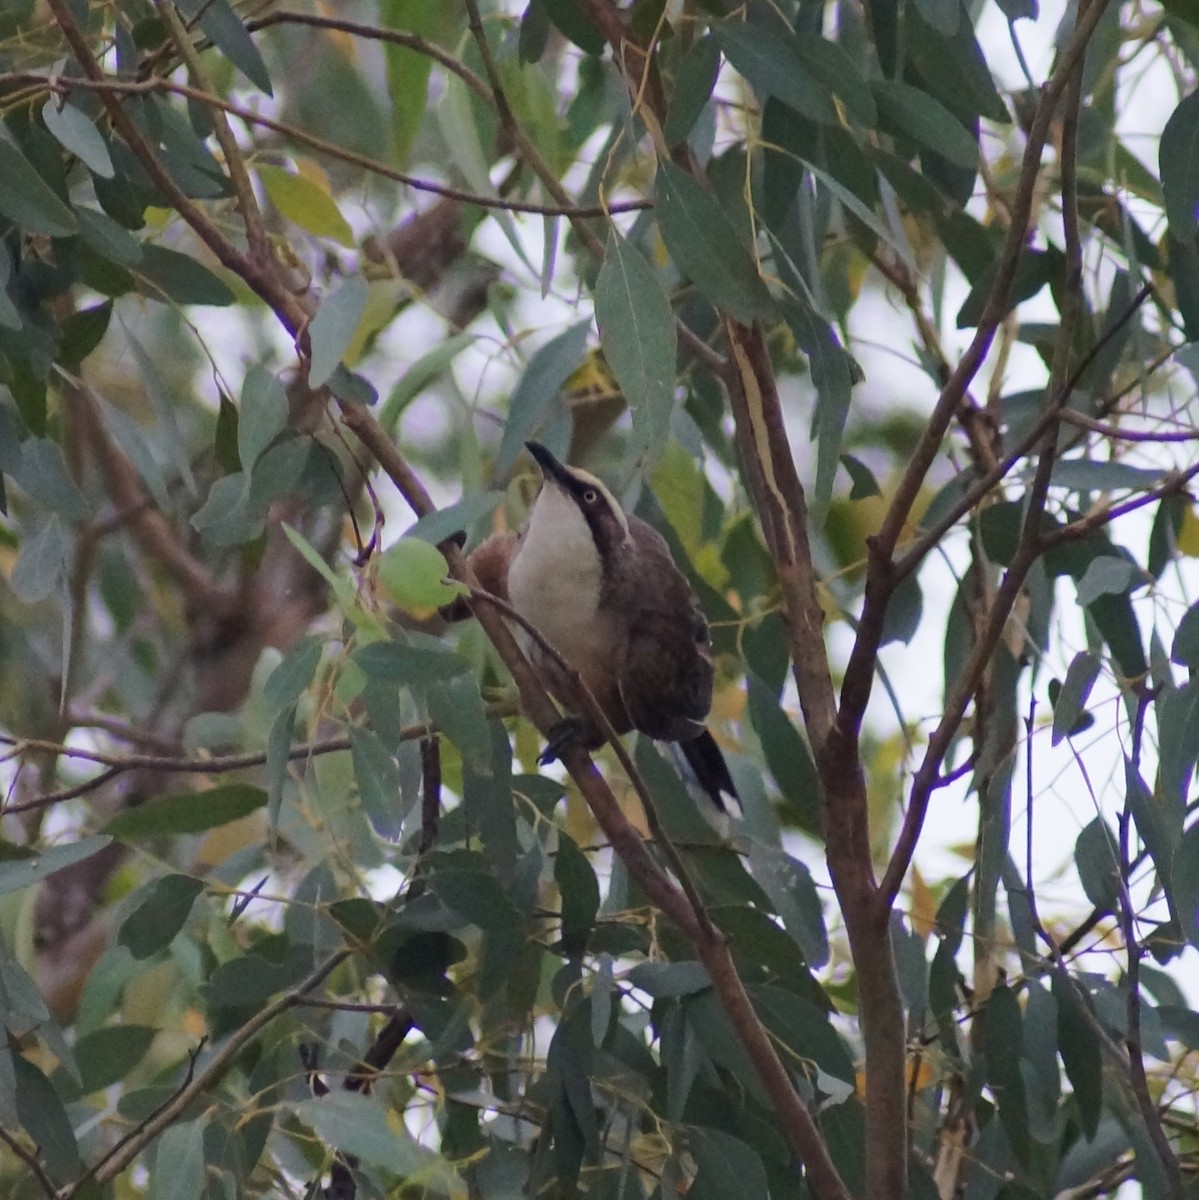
<point>551,468</point>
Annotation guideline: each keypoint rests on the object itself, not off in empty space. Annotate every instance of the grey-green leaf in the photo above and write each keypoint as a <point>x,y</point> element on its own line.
<point>705,245</point>
<point>1178,159</point>
<point>262,415</point>
<point>26,198</point>
<point>42,563</point>
<point>332,329</point>
<point>220,23</point>
<point>768,62</point>
<point>76,132</point>
<point>163,908</point>
<point>1071,700</point>
<point>915,114</point>
<point>548,370</point>
<point>637,332</point>
<point>21,872</point>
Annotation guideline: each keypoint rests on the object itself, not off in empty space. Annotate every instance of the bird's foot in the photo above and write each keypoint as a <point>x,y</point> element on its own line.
<point>566,733</point>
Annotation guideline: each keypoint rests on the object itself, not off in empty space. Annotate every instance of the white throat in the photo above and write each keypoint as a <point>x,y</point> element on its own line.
<point>554,577</point>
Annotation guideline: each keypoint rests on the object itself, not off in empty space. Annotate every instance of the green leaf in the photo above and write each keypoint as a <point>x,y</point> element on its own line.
<point>833,373</point>
<point>725,1165</point>
<point>832,68</point>
<point>1178,161</point>
<point>456,708</point>
<point>226,518</point>
<point>1177,711</point>
<point>288,681</point>
<point>82,332</point>
<point>10,316</point>
<point>181,278</point>
<point>787,756</point>
<point>693,84</point>
<point>1184,649</point>
<point>224,28</point>
<point>247,979</point>
<point>1069,706</point>
<point>278,755</point>
<point>41,565</point>
<point>863,484</point>
<point>538,388</point>
<point>435,527</point>
<point>666,980</point>
<point>414,575</point>
<point>41,1114</point>
<point>77,134</point>
<point>1034,269</point>
<point>18,873</point>
<point>792,892</point>
<point>944,16</point>
<point>408,70</point>
<point>426,370</point>
<point>332,329</point>
<point>1097,860</point>
<point>476,897</point>
<point>160,913</point>
<point>262,415</point>
<point>28,200</point>
<point>108,239</point>
<point>1106,575</point>
<point>305,203</point>
<point>106,1056</point>
<point>398,662</point>
<point>572,20</point>
<point>378,780</point>
<point>42,472</point>
<point>580,894</point>
<point>1182,883</point>
<point>705,246</point>
<point>1084,475</point>
<point>915,114</point>
<point>1081,1054</point>
<point>1004,1043</point>
<point>179,1170</point>
<point>186,812</point>
<point>771,65</point>
<point>636,325</point>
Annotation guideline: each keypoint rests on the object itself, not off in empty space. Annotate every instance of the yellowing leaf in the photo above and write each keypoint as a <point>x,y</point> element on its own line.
<point>923,913</point>
<point>304,202</point>
<point>1188,534</point>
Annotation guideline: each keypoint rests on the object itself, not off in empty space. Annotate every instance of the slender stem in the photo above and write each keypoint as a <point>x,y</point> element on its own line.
<point>217,765</point>
<point>235,163</point>
<point>113,1163</point>
<point>31,1160</point>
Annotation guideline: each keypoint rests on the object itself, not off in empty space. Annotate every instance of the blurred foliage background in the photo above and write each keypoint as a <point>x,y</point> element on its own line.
<point>287,907</point>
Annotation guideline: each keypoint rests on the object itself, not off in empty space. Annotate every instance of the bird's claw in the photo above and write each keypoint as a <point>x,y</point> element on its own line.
<point>565,734</point>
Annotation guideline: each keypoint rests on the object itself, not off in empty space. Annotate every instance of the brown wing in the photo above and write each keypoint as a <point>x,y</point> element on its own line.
<point>667,674</point>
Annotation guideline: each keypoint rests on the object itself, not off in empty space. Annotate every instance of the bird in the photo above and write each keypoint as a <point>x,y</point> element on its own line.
<point>600,586</point>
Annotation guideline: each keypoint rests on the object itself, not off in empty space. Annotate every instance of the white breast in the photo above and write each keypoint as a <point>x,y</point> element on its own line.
<point>554,576</point>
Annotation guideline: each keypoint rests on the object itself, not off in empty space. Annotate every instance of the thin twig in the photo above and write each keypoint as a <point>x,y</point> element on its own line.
<point>217,765</point>
<point>31,1160</point>
<point>235,163</point>
<point>117,1159</point>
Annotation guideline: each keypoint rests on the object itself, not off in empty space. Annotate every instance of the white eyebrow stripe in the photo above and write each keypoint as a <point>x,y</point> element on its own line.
<point>591,481</point>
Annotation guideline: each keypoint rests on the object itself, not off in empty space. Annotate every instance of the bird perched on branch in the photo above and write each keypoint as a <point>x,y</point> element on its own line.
<point>601,588</point>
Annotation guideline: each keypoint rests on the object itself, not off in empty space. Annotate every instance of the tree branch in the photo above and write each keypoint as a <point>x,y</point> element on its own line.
<point>113,1163</point>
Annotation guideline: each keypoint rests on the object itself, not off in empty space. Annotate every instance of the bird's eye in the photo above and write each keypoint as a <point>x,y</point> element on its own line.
<point>590,496</point>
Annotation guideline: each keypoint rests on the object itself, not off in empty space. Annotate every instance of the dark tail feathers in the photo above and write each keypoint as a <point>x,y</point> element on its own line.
<point>711,771</point>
